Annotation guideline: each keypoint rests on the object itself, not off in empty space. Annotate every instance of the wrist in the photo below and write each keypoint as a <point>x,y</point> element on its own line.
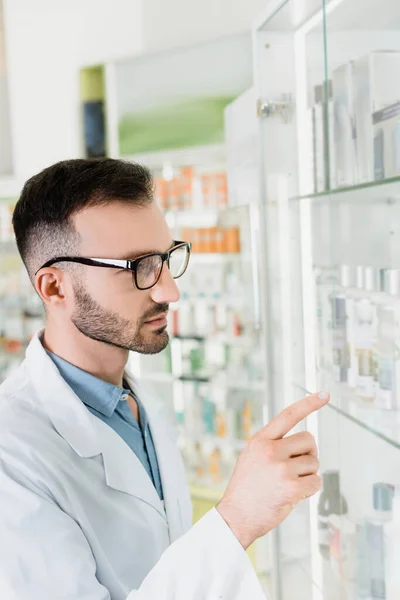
<point>235,524</point>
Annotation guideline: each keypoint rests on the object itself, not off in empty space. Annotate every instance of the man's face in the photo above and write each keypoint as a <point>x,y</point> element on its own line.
<point>107,305</point>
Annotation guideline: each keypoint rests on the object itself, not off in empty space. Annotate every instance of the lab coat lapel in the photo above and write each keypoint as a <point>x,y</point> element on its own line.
<point>169,461</point>
<point>123,470</point>
<point>87,435</point>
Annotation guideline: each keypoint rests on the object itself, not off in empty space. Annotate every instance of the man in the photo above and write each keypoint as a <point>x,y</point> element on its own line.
<point>93,500</point>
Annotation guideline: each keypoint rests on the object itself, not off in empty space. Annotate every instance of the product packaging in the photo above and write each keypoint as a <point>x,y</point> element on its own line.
<point>374,536</point>
<point>392,551</point>
<point>388,361</point>
<point>386,134</point>
<point>347,279</point>
<point>326,280</point>
<point>344,126</point>
<point>365,328</point>
<point>376,86</point>
<point>331,502</point>
<point>342,547</point>
<point>320,174</point>
<point>339,337</point>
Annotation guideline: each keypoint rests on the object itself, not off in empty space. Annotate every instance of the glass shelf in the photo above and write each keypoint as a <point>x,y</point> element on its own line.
<point>240,340</point>
<point>195,378</point>
<point>255,386</point>
<point>373,190</point>
<point>384,425</point>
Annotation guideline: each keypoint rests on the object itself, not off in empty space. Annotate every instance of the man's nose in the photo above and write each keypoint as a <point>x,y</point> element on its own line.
<point>166,289</point>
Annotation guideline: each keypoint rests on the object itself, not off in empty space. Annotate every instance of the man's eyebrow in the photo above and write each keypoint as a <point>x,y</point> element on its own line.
<point>135,254</point>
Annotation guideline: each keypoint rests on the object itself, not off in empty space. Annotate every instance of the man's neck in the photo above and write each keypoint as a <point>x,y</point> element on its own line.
<point>97,358</point>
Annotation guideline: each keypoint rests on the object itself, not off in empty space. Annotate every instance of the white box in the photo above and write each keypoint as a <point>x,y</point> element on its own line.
<point>322,133</point>
<point>386,132</point>
<point>376,86</point>
<point>344,126</point>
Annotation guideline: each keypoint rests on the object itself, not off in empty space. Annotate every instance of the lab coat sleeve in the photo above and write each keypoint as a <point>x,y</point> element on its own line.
<point>44,554</point>
<point>207,563</point>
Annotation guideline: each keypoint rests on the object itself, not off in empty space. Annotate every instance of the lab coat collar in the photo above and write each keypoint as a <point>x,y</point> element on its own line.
<point>89,436</point>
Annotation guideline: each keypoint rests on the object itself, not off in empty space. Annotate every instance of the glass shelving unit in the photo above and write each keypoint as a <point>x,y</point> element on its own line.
<point>329,106</point>
<point>212,374</point>
<point>21,313</point>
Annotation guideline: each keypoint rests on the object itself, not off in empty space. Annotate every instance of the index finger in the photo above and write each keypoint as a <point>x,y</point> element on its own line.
<point>292,415</point>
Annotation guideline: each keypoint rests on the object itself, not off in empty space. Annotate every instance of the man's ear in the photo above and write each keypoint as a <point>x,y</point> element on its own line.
<point>51,286</point>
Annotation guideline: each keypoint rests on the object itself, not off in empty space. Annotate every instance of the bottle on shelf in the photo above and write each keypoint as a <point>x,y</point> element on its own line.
<point>331,502</point>
<point>247,420</point>
<point>215,466</point>
<point>371,545</point>
<point>185,316</point>
<point>388,360</point>
<point>326,279</point>
<point>342,547</point>
<point>339,337</point>
<point>392,550</point>
<point>365,327</point>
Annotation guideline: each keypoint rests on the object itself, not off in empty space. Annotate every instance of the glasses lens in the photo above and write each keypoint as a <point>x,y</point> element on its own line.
<point>178,261</point>
<point>148,271</point>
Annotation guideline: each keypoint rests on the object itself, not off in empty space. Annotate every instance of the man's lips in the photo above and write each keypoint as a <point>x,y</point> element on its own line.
<point>161,318</point>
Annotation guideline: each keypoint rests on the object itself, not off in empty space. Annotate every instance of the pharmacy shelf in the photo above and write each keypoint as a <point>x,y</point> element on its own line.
<point>255,386</point>
<point>157,377</point>
<point>232,385</point>
<point>223,443</point>
<point>197,218</point>
<point>225,302</point>
<point>210,154</point>
<point>383,424</point>
<point>211,258</point>
<point>202,492</point>
<point>190,338</point>
<point>190,377</point>
<point>373,190</point>
<point>240,340</point>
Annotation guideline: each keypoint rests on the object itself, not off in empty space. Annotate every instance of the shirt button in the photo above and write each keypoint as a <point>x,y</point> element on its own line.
<point>124,397</point>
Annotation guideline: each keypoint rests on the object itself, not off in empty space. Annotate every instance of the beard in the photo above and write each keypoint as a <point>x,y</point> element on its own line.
<point>103,325</point>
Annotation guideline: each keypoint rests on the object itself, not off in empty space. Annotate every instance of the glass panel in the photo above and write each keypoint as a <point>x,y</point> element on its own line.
<point>213,372</point>
<point>356,268</point>
<point>363,53</point>
<point>294,129</point>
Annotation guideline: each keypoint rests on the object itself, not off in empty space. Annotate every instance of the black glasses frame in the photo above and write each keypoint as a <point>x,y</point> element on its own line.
<point>128,265</point>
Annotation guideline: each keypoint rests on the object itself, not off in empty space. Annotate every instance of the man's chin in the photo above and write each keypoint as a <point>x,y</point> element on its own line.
<point>154,342</point>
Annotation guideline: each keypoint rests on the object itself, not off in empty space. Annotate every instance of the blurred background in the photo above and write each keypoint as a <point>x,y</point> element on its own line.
<point>272,128</point>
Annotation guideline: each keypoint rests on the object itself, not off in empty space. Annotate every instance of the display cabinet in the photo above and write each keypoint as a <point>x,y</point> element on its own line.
<point>329,121</point>
<point>21,312</point>
<point>212,374</point>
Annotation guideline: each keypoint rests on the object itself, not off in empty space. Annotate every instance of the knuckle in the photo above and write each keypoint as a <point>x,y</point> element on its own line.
<point>270,451</point>
<point>308,437</point>
<point>313,462</point>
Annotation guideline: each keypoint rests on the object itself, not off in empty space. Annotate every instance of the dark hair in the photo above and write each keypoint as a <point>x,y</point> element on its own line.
<point>42,216</point>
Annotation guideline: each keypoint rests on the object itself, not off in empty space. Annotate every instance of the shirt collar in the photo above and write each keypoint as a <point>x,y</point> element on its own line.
<point>100,395</point>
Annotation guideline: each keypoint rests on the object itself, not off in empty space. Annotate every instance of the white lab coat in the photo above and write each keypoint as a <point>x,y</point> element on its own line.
<point>80,518</point>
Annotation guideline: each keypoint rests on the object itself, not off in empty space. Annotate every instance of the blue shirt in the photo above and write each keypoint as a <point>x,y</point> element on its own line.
<point>108,402</point>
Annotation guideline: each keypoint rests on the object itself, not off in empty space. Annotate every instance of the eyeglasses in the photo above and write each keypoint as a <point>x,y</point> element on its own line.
<point>146,270</point>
